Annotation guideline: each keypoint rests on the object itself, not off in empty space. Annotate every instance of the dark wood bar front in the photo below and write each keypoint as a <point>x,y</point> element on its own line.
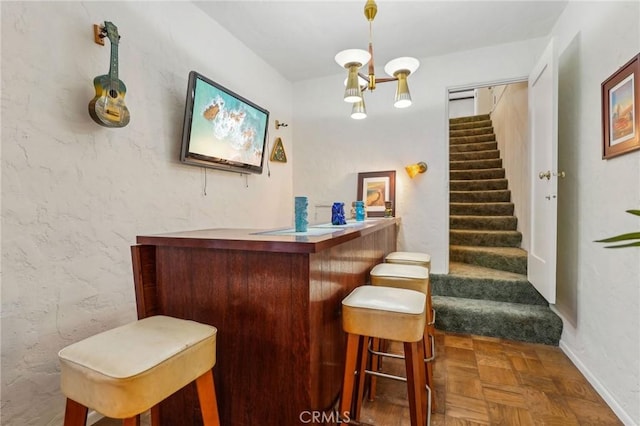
<point>275,299</point>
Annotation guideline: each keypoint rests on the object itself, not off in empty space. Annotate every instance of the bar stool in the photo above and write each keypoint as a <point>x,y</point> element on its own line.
<point>125,371</point>
<point>412,277</point>
<point>385,313</point>
<point>409,258</point>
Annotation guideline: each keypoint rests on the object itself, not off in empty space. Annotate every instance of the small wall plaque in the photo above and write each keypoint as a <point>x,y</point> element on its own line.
<point>277,153</point>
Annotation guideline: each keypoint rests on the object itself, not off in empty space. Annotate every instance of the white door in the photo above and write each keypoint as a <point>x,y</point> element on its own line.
<point>543,146</point>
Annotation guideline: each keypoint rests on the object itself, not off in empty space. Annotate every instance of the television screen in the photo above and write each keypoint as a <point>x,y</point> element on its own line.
<point>221,129</point>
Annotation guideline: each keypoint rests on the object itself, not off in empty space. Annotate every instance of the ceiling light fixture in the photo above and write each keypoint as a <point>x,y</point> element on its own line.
<point>354,59</point>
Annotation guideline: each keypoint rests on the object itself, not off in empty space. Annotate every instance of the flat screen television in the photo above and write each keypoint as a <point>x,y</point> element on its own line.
<point>221,129</point>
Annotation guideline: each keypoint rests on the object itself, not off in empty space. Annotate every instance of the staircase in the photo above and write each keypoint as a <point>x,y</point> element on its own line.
<point>486,291</point>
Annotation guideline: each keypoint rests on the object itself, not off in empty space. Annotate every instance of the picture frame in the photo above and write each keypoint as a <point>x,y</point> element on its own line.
<point>621,110</point>
<point>374,188</point>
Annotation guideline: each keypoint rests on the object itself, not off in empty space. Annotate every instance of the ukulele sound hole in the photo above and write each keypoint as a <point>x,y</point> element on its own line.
<point>113,93</point>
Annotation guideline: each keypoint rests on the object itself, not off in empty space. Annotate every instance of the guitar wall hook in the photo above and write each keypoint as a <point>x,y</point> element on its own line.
<point>107,108</point>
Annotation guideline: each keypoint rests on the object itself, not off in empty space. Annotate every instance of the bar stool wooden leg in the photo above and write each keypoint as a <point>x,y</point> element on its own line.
<point>75,414</point>
<point>207,398</point>
<point>429,338</point>
<point>155,415</point>
<point>348,379</point>
<point>362,366</point>
<point>414,361</point>
<point>131,421</point>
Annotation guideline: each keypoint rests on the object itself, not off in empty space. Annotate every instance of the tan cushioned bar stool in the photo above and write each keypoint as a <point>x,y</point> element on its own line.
<point>125,371</point>
<point>409,258</point>
<point>412,277</point>
<point>385,313</point>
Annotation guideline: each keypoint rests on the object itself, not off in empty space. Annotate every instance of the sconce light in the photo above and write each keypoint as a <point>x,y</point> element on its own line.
<point>414,169</point>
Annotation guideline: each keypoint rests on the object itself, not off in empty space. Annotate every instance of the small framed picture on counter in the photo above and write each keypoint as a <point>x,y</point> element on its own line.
<point>374,188</point>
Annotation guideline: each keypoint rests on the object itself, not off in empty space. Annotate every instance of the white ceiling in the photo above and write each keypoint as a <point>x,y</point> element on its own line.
<point>300,38</point>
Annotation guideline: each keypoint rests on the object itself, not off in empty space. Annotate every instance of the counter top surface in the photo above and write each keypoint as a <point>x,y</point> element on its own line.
<point>316,238</point>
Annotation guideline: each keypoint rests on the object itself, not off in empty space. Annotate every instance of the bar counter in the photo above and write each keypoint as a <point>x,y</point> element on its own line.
<point>275,298</point>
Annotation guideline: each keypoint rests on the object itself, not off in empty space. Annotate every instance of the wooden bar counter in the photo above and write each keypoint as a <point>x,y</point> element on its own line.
<point>275,298</point>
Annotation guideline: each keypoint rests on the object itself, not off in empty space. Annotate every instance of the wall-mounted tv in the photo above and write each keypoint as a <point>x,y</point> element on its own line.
<point>221,129</point>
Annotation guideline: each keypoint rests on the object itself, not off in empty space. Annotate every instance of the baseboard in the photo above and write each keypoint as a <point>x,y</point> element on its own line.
<point>602,391</point>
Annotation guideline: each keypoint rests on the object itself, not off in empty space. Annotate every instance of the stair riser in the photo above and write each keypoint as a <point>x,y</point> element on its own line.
<point>486,289</point>
<point>480,209</point>
<point>469,119</point>
<point>470,125</point>
<point>484,239</point>
<point>506,223</point>
<point>495,163</point>
<point>476,174</point>
<point>471,139</point>
<point>490,260</point>
<point>478,185</point>
<point>474,155</point>
<point>480,196</point>
<point>471,147</point>
<point>534,329</point>
<point>471,132</point>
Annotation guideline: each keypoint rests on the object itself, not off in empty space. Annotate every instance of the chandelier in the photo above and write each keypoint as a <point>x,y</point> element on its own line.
<point>353,59</point>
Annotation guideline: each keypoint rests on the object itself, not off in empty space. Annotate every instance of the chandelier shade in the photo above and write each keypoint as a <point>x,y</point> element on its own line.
<point>354,59</point>
<point>359,110</point>
<point>408,64</point>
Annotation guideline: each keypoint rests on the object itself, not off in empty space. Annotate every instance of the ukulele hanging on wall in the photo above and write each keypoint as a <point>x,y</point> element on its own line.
<point>107,108</point>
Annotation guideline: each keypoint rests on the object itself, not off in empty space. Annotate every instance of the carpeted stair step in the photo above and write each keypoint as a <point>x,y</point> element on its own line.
<point>477,282</point>
<point>463,237</point>
<point>511,259</point>
<point>481,209</point>
<point>495,196</point>
<point>471,139</point>
<point>472,147</point>
<point>502,223</point>
<point>474,155</point>
<point>470,125</point>
<point>476,174</point>
<point>515,321</point>
<point>492,163</point>
<point>478,185</point>
<point>469,118</point>
<point>471,132</point>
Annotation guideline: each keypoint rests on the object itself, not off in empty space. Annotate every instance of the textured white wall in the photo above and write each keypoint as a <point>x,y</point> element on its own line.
<point>598,289</point>
<point>460,108</point>
<point>332,148</point>
<point>75,195</point>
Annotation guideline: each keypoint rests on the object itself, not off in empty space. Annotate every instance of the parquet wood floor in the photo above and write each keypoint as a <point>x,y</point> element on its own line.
<point>490,381</point>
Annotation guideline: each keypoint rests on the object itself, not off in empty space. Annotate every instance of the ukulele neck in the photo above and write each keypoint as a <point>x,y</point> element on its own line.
<point>113,65</point>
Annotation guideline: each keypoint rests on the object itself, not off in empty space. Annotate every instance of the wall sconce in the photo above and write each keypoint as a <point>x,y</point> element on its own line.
<point>414,169</point>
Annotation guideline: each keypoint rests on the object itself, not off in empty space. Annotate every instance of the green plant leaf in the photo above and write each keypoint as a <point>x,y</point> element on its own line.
<point>623,237</point>
<point>636,244</point>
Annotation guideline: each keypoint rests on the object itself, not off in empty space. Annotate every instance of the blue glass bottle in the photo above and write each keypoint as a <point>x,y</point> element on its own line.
<point>300,211</point>
<point>337,214</point>
<point>360,215</point>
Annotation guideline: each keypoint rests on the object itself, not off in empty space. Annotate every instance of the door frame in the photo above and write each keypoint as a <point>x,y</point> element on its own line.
<point>460,88</point>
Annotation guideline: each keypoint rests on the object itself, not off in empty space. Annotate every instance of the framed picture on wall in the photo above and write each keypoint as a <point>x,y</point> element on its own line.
<point>374,188</point>
<point>620,115</point>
